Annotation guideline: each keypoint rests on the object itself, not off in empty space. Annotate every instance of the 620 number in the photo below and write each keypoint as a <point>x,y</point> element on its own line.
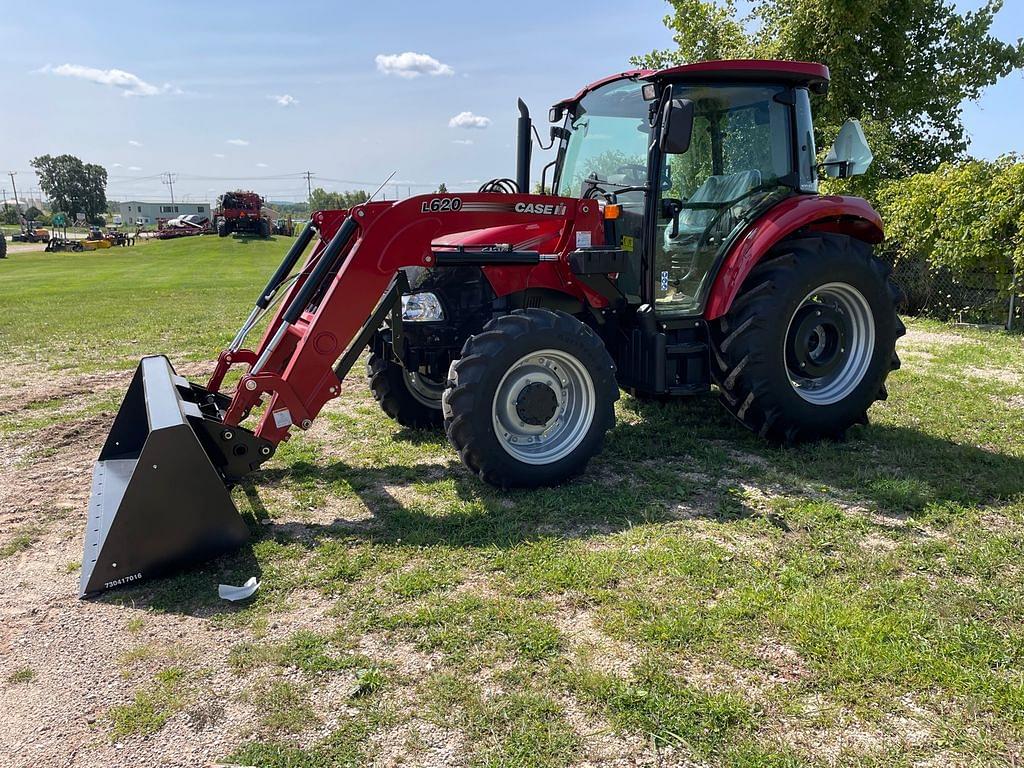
<point>442,205</point>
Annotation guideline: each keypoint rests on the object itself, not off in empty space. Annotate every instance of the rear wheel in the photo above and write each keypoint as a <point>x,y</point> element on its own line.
<point>809,341</point>
<point>530,399</point>
<point>3,246</point>
<point>407,397</point>
<point>222,228</point>
<point>264,228</point>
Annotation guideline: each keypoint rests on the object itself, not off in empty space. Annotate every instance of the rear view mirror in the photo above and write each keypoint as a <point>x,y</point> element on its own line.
<point>676,126</point>
<point>850,155</point>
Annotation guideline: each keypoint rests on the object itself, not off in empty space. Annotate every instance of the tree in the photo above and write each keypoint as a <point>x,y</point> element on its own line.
<point>33,213</point>
<point>72,185</point>
<point>963,217</point>
<point>322,200</point>
<point>443,189</point>
<point>902,67</point>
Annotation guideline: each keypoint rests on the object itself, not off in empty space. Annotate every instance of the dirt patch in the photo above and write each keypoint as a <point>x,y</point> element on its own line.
<point>1002,375</point>
<point>578,628</point>
<point>846,736</point>
<point>419,744</point>
<point>917,337</point>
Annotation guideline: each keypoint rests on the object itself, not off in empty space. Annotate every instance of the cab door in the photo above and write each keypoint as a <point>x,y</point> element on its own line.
<point>740,162</point>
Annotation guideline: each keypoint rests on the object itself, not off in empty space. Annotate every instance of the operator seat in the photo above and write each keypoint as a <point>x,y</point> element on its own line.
<point>717,189</point>
<point>688,267</point>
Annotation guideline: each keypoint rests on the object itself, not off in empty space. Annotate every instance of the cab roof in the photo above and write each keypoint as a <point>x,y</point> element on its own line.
<point>806,73</point>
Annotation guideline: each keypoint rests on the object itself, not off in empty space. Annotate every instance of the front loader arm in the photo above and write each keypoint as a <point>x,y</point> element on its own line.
<point>330,310</point>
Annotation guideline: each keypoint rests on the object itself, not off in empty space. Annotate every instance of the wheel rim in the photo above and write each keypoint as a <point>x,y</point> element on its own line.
<point>829,343</point>
<point>544,406</point>
<point>424,391</point>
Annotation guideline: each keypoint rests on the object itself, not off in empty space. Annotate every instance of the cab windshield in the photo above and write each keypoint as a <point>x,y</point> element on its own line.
<point>608,142</point>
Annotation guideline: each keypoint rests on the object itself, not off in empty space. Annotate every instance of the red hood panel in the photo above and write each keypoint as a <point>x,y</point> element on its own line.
<point>534,236</point>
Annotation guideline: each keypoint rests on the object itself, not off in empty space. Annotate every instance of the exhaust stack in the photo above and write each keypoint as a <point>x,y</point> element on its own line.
<point>524,148</point>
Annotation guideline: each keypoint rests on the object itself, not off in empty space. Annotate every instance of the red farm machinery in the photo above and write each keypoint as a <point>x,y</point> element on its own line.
<point>685,247</point>
<point>241,212</point>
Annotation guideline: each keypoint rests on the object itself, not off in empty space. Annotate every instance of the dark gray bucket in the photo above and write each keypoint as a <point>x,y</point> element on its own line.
<point>158,502</point>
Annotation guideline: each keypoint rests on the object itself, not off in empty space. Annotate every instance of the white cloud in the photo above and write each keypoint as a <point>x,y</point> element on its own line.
<point>219,155</point>
<point>128,83</point>
<point>135,143</point>
<point>115,165</point>
<point>134,168</point>
<point>469,120</point>
<point>410,65</point>
<point>463,142</point>
<point>262,165</point>
<point>285,100</point>
<point>238,142</point>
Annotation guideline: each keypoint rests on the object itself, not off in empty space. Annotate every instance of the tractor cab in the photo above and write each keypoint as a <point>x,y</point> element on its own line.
<point>691,155</point>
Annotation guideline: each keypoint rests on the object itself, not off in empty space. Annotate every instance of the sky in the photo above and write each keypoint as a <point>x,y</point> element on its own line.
<point>254,94</point>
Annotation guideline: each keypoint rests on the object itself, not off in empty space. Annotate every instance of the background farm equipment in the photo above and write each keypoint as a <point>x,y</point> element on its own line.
<point>284,227</point>
<point>241,212</point>
<point>31,232</point>
<point>58,244</point>
<point>183,226</point>
<point>686,246</point>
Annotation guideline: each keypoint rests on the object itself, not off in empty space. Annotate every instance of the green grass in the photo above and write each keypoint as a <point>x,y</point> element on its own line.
<point>152,705</point>
<point>21,675</point>
<point>176,297</point>
<point>696,591</point>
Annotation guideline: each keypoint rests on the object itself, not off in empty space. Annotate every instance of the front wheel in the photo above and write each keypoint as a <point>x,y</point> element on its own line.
<point>530,399</point>
<point>809,341</point>
<point>407,397</point>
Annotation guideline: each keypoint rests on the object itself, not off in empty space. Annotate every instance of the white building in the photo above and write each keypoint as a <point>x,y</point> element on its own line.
<point>137,212</point>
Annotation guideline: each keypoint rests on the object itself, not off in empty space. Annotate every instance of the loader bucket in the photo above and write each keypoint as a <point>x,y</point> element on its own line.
<point>160,498</point>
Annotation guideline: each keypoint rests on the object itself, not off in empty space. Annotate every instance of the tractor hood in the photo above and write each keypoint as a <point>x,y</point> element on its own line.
<point>531,236</point>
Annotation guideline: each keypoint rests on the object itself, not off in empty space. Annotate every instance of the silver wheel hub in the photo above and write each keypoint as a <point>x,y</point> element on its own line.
<point>426,391</point>
<point>829,343</point>
<point>543,406</point>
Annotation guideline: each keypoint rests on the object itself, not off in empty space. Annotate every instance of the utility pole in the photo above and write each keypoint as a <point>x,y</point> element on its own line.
<point>17,207</point>
<point>309,189</point>
<point>169,179</point>
<point>5,198</point>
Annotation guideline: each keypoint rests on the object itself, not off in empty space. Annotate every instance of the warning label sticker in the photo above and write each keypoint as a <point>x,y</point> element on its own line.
<point>583,239</point>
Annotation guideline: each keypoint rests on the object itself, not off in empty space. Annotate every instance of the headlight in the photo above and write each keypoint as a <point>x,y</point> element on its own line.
<point>421,308</point>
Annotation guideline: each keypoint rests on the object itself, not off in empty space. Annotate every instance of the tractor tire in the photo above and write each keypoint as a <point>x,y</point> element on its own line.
<point>409,401</point>
<point>264,229</point>
<point>808,343</point>
<point>3,246</point>
<point>222,228</point>
<point>529,401</point>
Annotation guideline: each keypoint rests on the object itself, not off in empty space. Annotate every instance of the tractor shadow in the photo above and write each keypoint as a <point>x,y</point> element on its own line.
<point>661,462</point>
<point>249,239</point>
<point>674,461</point>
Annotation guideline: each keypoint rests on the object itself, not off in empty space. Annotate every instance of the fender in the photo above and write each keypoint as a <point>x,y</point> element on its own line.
<point>851,216</point>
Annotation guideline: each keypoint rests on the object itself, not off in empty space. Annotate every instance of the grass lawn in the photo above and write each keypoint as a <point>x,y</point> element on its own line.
<point>698,597</point>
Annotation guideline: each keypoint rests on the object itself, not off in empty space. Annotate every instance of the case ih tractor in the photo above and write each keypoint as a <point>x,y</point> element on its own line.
<point>241,212</point>
<point>685,246</point>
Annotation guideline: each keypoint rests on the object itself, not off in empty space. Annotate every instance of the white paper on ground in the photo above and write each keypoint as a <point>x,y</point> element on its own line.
<point>234,594</point>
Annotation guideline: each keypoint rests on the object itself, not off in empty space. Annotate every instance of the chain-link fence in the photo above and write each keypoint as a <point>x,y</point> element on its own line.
<point>979,297</point>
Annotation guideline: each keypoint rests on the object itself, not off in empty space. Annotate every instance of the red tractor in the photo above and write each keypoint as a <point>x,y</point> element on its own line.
<point>241,212</point>
<point>685,246</point>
